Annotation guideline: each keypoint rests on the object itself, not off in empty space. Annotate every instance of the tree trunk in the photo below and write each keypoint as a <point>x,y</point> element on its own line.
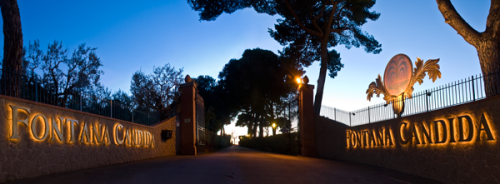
<point>486,43</point>
<point>261,127</point>
<point>254,133</point>
<point>13,48</point>
<point>65,98</point>
<point>249,132</point>
<point>250,125</point>
<point>489,58</point>
<point>322,77</point>
<point>254,130</point>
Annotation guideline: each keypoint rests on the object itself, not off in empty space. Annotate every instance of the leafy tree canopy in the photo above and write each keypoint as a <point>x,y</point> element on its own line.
<point>156,91</point>
<point>256,83</point>
<point>308,28</point>
<point>63,73</point>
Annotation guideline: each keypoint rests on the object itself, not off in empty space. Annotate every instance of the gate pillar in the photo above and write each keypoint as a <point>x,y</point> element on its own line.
<point>306,121</point>
<point>188,118</point>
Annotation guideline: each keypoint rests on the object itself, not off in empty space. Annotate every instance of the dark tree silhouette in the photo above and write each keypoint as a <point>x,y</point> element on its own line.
<point>206,87</point>
<point>216,114</point>
<point>13,45</point>
<point>256,83</point>
<point>83,71</point>
<point>486,43</point>
<point>34,58</point>
<point>122,105</point>
<point>64,75</point>
<point>156,91</point>
<point>309,28</point>
<point>245,119</point>
<point>123,98</point>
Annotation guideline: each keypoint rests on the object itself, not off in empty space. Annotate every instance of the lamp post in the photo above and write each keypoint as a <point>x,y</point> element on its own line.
<point>274,129</point>
<point>299,81</point>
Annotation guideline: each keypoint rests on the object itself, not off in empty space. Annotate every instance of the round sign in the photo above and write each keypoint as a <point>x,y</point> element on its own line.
<point>398,74</point>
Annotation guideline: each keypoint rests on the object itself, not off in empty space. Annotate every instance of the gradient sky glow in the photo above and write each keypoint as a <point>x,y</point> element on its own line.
<point>133,36</point>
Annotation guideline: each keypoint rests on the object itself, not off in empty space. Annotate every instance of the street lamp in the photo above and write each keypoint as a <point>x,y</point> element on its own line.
<point>297,137</point>
<point>299,80</point>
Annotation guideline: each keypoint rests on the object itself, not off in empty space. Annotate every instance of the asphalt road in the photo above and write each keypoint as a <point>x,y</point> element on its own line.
<point>232,165</point>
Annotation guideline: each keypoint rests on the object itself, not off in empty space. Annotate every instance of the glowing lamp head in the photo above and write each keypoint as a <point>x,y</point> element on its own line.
<point>274,125</point>
<point>299,80</point>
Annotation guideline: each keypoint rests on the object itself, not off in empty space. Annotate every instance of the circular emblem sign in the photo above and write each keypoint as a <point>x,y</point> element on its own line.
<point>398,74</point>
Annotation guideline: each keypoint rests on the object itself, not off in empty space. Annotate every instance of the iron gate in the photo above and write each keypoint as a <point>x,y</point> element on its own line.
<point>200,124</point>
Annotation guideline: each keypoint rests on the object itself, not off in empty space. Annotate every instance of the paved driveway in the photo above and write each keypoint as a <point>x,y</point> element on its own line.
<point>232,165</point>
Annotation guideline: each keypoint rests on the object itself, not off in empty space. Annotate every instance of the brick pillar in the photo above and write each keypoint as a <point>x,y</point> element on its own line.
<point>188,120</point>
<point>306,120</point>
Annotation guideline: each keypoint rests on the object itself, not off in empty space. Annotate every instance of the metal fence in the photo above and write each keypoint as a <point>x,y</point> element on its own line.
<point>454,93</point>
<point>31,88</point>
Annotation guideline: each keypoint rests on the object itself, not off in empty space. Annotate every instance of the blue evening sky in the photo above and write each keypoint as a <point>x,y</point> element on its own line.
<point>137,35</point>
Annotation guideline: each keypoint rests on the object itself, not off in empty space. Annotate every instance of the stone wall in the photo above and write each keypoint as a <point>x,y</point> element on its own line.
<point>94,141</point>
<point>415,149</point>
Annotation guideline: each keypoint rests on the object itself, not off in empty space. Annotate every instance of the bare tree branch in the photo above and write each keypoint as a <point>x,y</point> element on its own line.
<point>330,21</point>
<point>338,30</point>
<point>452,18</point>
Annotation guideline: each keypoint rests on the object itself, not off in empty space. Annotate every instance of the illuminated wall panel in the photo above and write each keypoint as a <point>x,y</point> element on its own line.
<point>457,144</point>
<point>51,139</point>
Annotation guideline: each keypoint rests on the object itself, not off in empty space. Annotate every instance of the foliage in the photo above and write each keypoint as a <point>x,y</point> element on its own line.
<point>61,74</point>
<point>157,91</point>
<point>34,57</point>
<point>281,143</point>
<point>308,28</point>
<point>258,74</point>
<point>206,85</point>
<point>72,81</point>
<point>256,84</point>
<point>257,87</point>
<point>122,98</point>
<point>245,119</point>
<point>217,103</point>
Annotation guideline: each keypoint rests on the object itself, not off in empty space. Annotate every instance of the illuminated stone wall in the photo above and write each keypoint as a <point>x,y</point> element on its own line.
<point>42,139</point>
<point>453,145</point>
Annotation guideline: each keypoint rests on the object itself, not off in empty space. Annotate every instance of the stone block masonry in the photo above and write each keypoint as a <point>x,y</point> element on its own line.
<point>306,121</point>
<point>188,118</point>
<point>38,139</point>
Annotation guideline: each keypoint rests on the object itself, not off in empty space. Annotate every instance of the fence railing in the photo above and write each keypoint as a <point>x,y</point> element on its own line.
<point>451,94</point>
<point>31,88</point>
